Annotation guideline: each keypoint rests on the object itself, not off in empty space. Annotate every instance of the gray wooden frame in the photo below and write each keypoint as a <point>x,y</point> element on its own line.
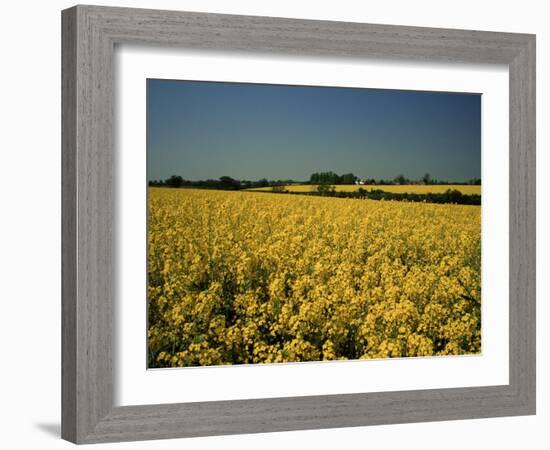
<point>89,36</point>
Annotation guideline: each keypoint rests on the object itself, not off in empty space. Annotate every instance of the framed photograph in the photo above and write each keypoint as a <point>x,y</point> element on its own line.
<point>278,224</point>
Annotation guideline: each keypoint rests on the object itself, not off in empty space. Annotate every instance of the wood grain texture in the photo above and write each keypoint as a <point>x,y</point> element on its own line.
<point>523,224</point>
<point>68,226</point>
<point>89,36</point>
<point>87,305</point>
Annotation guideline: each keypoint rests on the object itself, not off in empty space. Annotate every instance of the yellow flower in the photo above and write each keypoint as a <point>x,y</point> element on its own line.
<point>244,277</point>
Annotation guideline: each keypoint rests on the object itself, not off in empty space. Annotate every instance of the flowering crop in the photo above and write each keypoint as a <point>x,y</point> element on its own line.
<point>240,278</point>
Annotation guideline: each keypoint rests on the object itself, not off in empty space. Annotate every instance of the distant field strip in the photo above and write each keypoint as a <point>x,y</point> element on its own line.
<point>408,188</point>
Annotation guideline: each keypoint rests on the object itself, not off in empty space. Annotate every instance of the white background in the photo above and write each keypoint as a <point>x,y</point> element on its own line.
<point>134,385</point>
<point>30,223</point>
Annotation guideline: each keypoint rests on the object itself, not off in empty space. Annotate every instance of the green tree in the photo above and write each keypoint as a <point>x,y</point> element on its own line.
<point>348,178</point>
<point>229,183</point>
<point>174,181</point>
<point>400,179</point>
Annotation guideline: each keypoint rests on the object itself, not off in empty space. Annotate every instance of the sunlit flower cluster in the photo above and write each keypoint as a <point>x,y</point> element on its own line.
<point>244,277</point>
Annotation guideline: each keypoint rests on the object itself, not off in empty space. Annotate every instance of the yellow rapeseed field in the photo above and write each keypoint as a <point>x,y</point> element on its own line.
<point>465,189</point>
<point>240,278</point>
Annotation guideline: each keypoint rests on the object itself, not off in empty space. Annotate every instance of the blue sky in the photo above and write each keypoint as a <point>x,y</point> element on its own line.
<point>203,130</point>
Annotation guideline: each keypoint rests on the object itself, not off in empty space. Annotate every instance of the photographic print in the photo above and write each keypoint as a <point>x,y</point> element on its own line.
<point>303,223</point>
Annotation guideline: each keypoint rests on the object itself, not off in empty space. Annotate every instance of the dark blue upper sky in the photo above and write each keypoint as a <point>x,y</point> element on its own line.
<point>202,130</point>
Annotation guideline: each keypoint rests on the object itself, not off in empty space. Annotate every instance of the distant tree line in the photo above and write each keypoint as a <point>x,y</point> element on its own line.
<point>425,179</point>
<point>318,178</point>
<point>332,178</point>
<point>449,196</point>
<point>224,183</point>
